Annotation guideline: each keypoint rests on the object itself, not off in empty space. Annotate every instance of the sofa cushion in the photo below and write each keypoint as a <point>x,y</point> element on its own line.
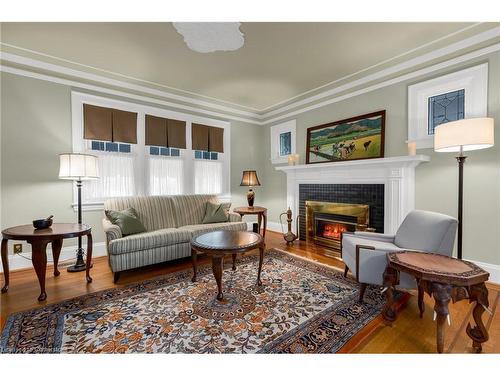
<point>190,209</point>
<point>216,213</point>
<point>148,240</point>
<point>155,212</point>
<point>195,230</point>
<point>127,220</point>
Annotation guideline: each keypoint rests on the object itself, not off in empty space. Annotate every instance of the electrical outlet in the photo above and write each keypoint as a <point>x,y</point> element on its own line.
<point>18,248</point>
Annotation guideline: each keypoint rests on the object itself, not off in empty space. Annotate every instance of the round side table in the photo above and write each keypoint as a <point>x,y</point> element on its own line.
<point>261,213</point>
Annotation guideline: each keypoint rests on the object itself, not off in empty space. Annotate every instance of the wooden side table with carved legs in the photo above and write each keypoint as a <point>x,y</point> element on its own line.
<point>261,213</point>
<point>39,239</point>
<point>445,279</point>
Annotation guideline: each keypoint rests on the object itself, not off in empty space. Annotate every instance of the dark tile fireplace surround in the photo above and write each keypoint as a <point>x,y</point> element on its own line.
<point>370,194</point>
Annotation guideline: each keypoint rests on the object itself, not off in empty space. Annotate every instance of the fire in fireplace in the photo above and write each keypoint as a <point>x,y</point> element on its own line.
<point>326,221</point>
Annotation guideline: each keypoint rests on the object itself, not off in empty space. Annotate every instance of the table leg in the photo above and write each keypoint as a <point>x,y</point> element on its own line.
<point>265,224</point>
<point>261,260</point>
<point>442,297</point>
<point>39,260</point>
<point>234,262</point>
<point>259,221</point>
<point>5,265</point>
<point>89,258</point>
<point>421,304</point>
<point>56,251</point>
<point>217,267</point>
<point>391,278</point>
<point>194,254</point>
<point>478,334</point>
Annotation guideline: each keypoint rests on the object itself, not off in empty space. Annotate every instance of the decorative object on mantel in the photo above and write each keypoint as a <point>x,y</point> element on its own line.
<point>293,159</point>
<point>451,97</point>
<point>360,137</point>
<point>289,236</point>
<point>459,136</point>
<point>412,148</point>
<point>78,167</point>
<point>250,179</point>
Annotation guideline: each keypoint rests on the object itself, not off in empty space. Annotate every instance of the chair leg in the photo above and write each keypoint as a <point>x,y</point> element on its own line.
<point>116,276</point>
<point>346,269</point>
<point>362,289</point>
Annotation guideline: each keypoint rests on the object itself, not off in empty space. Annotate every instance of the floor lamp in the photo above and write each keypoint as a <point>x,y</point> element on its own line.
<point>78,167</point>
<point>460,136</point>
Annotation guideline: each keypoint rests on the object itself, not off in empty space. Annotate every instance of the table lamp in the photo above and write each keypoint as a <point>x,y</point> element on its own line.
<point>459,136</point>
<point>78,167</point>
<point>250,179</point>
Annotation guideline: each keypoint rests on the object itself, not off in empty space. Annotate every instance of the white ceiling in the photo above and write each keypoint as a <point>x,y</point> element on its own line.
<point>278,61</point>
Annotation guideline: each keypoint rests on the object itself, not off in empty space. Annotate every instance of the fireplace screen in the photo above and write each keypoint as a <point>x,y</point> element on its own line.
<point>326,221</point>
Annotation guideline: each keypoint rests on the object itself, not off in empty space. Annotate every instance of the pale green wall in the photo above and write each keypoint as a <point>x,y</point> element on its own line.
<point>436,182</point>
<point>36,127</point>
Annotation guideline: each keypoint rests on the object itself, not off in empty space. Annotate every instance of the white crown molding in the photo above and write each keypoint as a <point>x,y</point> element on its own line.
<point>119,83</point>
<point>229,113</point>
<point>465,43</point>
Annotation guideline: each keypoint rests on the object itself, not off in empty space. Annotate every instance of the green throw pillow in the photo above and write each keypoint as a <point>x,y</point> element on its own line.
<point>216,213</point>
<point>127,220</point>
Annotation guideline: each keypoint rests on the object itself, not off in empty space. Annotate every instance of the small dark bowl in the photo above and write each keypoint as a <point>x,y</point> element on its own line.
<point>42,223</point>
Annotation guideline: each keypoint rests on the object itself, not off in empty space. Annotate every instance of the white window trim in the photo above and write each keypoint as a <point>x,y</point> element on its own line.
<point>475,82</point>
<point>78,143</point>
<point>276,130</point>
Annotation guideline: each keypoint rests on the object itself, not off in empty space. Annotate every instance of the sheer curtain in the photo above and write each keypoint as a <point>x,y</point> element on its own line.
<point>207,177</point>
<point>165,175</point>
<point>116,178</point>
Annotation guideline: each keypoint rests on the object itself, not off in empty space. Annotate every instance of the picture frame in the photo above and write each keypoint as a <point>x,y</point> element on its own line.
<point>355,138</point>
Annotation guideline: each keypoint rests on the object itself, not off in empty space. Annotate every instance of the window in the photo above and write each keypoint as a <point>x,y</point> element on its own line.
<point>282,141</point>
<point>445,108</point>
<point>462,94</point>
<point>168,167</point>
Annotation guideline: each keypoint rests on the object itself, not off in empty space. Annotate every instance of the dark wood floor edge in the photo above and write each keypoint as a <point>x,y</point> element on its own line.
<point>367,332</point>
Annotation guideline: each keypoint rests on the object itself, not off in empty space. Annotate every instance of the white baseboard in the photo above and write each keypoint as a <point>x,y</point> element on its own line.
<point>492,269</point>
<point>17,261</point>
<point>271,225</point>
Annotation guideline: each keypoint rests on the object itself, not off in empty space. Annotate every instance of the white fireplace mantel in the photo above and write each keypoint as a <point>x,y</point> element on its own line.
<point>396,173</point>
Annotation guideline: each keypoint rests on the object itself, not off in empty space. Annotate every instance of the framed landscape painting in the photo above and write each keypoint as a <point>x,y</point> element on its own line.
<point>355,138</point>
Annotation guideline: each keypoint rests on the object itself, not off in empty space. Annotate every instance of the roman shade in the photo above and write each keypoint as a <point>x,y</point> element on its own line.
<point>109,124</point>
<point>207,138</point>
<point>165,132</point>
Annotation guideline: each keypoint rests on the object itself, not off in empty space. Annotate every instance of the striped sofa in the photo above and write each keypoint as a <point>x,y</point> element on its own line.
<point>171,222</point>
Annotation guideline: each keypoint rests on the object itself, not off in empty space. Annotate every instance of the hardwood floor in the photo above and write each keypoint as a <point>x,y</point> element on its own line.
<point>408,334</point>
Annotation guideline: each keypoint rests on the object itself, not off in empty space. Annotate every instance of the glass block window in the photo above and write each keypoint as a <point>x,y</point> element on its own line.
<point>445,108</point>
<point>110,146</point>
<point>164,151</point>
<point>285,143</point>
<point>206,155</point>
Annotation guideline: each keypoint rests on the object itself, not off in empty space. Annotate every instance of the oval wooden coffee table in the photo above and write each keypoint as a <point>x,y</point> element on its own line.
<point>39,239</point>
<point>220,243</point>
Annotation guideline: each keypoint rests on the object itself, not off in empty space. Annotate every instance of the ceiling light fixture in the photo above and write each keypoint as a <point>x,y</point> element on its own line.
<point>207,37</point>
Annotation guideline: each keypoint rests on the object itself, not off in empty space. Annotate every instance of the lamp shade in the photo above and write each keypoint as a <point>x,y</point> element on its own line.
<point>78,167</point>
<point>250,178</point>
<point>464,135</point>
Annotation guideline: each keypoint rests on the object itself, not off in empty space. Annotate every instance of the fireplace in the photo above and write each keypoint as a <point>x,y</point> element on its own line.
<point>326,221</point>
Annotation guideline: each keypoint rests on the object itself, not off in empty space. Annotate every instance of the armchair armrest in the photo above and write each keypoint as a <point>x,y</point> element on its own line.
<point>234,217</point>
<point>112,231</point>
<point>382,237</point>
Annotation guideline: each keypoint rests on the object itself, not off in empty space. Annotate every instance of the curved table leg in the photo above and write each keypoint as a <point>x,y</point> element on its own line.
<point>261,260</point>
<point>39,260</point>
<point>259,222</point>
<point>478,334</point>
<point>442,297</point>
<point>56,251</point>
<point>5,265</point>
<point>265,224</point>
<point>217,267</point>
<point>89,258</point>
<point>391,278</point>
<point>234,262</point>
<point>421,304</point>
<point>195,264</point>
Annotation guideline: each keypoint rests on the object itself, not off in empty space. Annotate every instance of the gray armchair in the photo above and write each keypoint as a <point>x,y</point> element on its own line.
<point>364,253</point>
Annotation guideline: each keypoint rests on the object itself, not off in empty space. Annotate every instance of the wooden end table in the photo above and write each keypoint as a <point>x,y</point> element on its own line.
<point>219,243</point>
<point>443,278</point>
<point>261,213</point>
<point>39,239</point>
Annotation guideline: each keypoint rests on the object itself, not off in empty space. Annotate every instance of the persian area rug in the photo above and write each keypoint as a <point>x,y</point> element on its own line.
<point>302,307</point>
